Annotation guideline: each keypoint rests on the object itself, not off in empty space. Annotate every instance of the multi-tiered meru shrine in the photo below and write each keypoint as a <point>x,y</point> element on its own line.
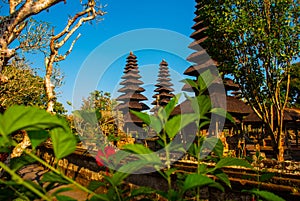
<point>223,92</point>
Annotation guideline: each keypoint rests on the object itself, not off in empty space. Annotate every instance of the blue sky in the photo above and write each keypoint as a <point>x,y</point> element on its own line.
<point>131,25</point>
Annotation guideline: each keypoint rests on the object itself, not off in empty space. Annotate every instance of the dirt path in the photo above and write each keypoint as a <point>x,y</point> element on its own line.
<point>35,172</point>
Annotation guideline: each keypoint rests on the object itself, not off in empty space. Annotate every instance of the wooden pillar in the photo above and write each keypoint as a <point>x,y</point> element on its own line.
<point>297,137</point>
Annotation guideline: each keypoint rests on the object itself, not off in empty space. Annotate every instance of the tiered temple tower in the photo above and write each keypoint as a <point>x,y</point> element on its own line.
<point>207,57</point>
<point>131,97</point>
<point>163,90</point>
<point>201,56</point>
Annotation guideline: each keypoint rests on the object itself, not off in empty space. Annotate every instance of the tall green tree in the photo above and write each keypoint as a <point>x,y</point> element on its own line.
<point>262,37</point>
<point>24,87</point>
<point>294,86</point>
<point>21,87</point>
<point>97,119</point>
<point>98,100</point>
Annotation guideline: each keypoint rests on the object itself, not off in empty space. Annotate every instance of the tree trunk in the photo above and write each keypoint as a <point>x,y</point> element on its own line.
<point>18,150</point>
<point>12,25</point>
<point>281,138</point>
<point>49,87</point>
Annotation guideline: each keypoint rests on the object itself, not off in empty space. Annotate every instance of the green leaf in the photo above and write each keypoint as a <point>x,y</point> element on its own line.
<point>94,185</point>
<point>19,162</point>
<point>205,79</point>
<point>223,113</point>
<point>169,172</point>
<point>228,161</point>
<point>170,106</point>
<point>88,116</point>
<point>8,194</point>
<point>98,114</point>
<point>141,191</point>
<point>99,197</point>
<point>177,123</point>
<point>219,148</point>
<point>37,137</point>
<point>53,177</point>
<point>266,176</point>
<point>118,178</point>
<point>119,156</point>
<point>214,144</point>
<point>202,168</point>
<point>191,82</point>
<point>217,186</point>
<point>137,148</point>
<point>173,195</point>
<point>196,180</point>
<point>162,193</point>
<point>151,121</point>
<point>5,143</point>
<point>28,118</point>
<point>223,177</point>
<point>201,105</point>
<point>203,123</point>
<point>135,166</point>
<point>64,142</point>
<point>143,153</point>
<point>143,116</point>
<point>204,104</point>
<point>268,196</point>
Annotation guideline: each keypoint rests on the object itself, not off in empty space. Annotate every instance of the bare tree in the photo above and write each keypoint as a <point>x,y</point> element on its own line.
<point>90,12</point>
<point>12,25</point>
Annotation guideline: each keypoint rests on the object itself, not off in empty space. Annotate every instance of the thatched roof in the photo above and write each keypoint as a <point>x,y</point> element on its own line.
<point>289,115</point>
<point>187,88</point>
<point>235,105</point>
<point>132,96</point>
<point>164,78</point>
<point>196,45</point>
<point>132,105</point>
<point>199,57</point>
<point>294,113</point>
<point>252,118</point>
<point>131,56</point>
<point>163,94</point>
<point>164,84</point>
<point>183,108</point>
<point>199,33</point>
<point>164,101</point>
<point>131,88</point>
<point>131,75</point>
<point>163,63</point>
<point>131,81</point>
<point>196,70</point>
<point>129,117</point>
<point>162,89</point>
<point>132,64</point>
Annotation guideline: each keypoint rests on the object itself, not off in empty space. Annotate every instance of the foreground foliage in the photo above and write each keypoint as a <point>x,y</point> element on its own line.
<point>132,159</point>
<point>258,41</point>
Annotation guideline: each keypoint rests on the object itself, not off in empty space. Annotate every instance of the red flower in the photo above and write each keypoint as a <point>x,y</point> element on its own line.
<point>102,156</point>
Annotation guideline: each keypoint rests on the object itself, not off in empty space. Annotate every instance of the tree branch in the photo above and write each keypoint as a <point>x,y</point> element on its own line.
<point>63,57</point>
